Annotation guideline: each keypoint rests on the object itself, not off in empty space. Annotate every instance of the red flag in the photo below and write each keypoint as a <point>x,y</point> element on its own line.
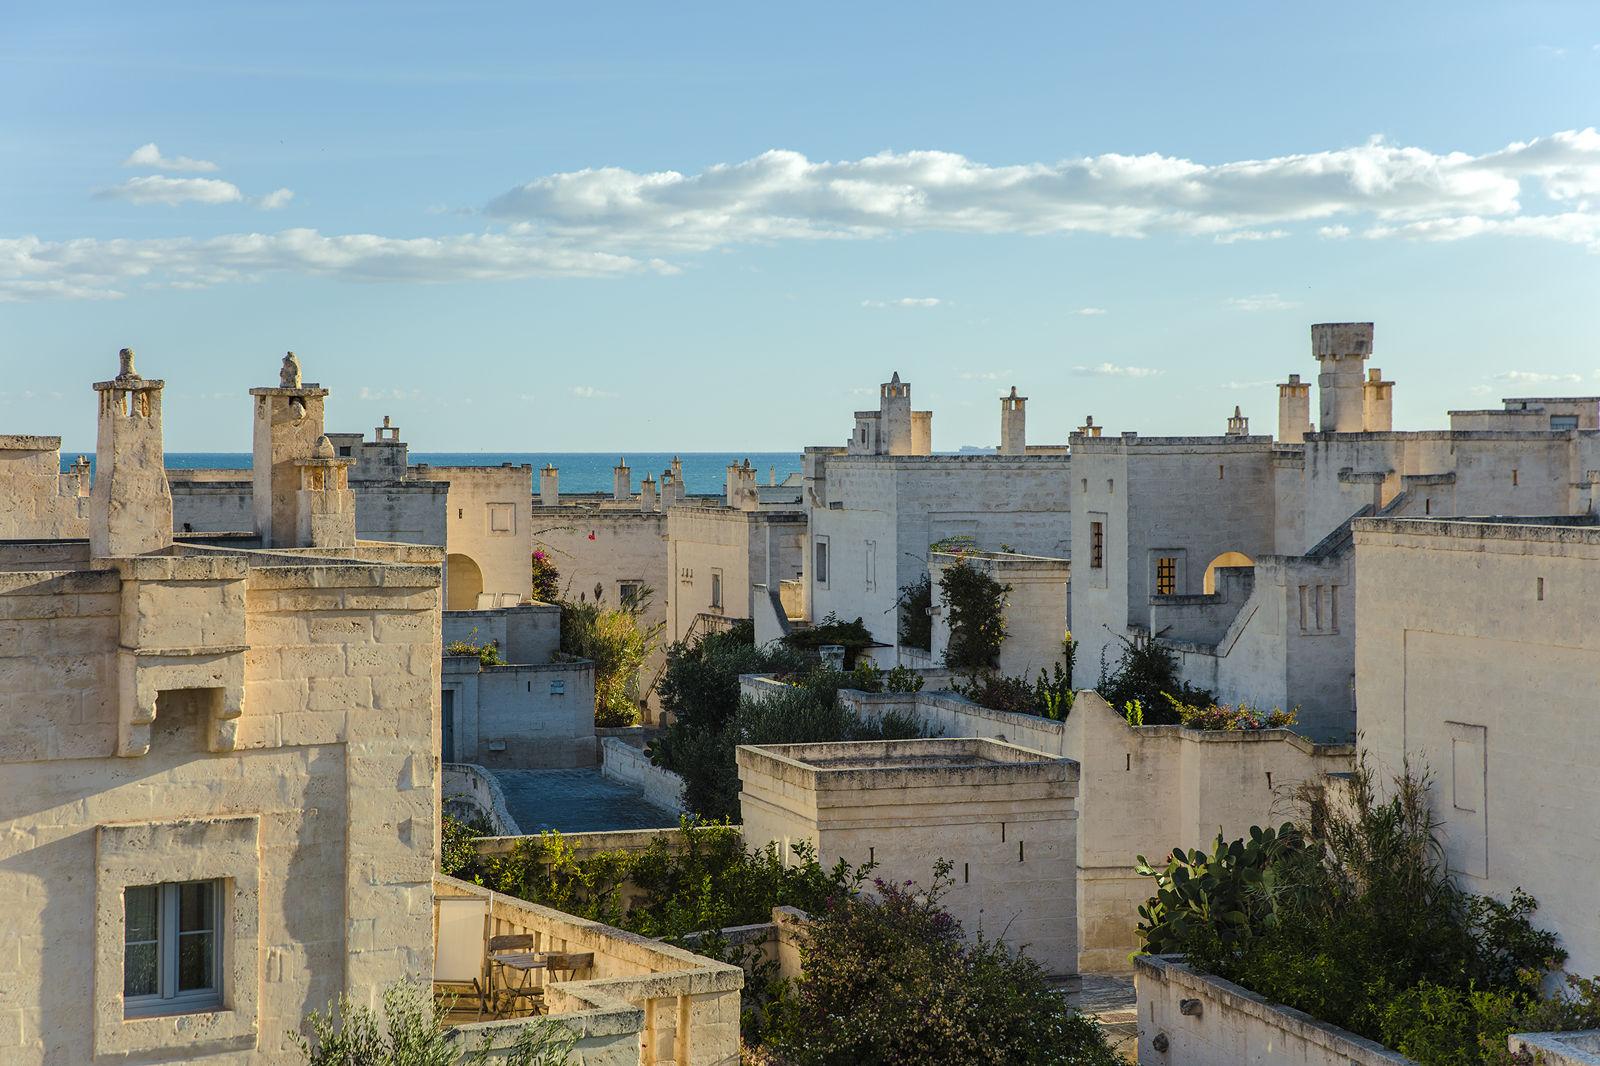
<point>591,534</point>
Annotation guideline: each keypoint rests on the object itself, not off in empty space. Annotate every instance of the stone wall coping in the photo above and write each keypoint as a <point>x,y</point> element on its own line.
<point>499,813</point>
<point>590,843</point>
<point>1448,478</point>
<point>65,581</point>
<point>981,459</point>
<point>180,567</point>
<point>131,384</point>
<point>1551,529</point>
<point>1350,476</point>
<point>1170,969</point>
<point>941,762</point>
<point>1574,1048</point>
<point>1230,442</point>
<point>23,442</point>
<point>724,513</point>
<point>1008,561</point>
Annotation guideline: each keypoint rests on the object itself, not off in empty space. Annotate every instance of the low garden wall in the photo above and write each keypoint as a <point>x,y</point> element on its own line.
<point>468,791</point>
<point>1194,1019</point>
<point>1559,1049</point>
<point>623,762</point>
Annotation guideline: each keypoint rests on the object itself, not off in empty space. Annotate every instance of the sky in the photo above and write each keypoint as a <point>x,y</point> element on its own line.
<point>605,227</point>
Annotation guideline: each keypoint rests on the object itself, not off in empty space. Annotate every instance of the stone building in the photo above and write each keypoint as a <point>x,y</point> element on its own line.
<point>218,805</point>
<point>1473,661</point>
<point>477,514</point>
<point>1003,816</point>
<point>36,498</point>
<point>875,507</point>
<point>1235,550</point>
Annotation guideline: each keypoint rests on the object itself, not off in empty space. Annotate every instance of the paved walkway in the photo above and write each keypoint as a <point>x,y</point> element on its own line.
<point>577,801</point>
<point>1111,1000</point>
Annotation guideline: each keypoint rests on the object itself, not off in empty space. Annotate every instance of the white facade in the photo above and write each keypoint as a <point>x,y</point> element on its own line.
<point>1475,659</point>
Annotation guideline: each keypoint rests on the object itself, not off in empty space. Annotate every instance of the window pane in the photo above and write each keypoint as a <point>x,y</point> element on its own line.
<point>196,953</point>
<point>139,970</point>
<point>139,911</point>
<point>195,901</point>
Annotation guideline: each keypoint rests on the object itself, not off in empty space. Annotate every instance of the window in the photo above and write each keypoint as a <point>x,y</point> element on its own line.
<point>872,565</point>
<point>822,562</point>
<point>716,589</point>
<point>344,450</point>
<point>628,591</point>
<point>1513,477</point>
<point>1166,575</point>
<point>1097,545</point>
<point>1561,422</point>
<point>171,948</point>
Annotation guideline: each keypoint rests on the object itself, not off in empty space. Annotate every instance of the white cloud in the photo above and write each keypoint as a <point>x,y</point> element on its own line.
<point>1246,385</point>
<point>1090,311</point>
<point>21,290</point>
<point>275,199</point>
<point>1531,377</point>
<point>589,392</point>
<point>1234,236</point>
<point>611,221</point>
<point>782,194</point>
<point>99,266</point>
<point>1265,301</point>
<point>905,301</point>
<point>148,155</point>
<point>1111,370</point>
<point>985,375</point>
<point>155,189</point>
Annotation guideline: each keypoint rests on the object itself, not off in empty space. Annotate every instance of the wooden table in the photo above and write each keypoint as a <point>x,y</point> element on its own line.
<point>525,963</point>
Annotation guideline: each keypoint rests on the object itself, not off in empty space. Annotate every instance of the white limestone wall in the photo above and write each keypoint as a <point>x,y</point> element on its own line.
<point>216,501</point>
<point>487,520</point>
<point>530,633</point>
<point>522,716</point>
<point>628,764</point>
<point>36,500</point>
<point>1192,1019</point>
<point>746,548</point>
<point>1463,668</point>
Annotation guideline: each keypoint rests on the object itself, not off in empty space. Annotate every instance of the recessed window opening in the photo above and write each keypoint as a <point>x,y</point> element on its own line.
<point>171,956</point>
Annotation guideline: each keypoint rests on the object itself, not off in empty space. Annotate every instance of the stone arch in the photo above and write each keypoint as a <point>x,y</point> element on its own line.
<point>463,583</point>
<point>1209,584</point>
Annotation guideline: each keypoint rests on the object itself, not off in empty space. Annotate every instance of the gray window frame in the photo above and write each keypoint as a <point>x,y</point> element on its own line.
<point>167,999</point>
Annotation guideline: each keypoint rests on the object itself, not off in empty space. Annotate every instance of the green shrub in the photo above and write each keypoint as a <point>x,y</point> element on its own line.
<point>853,637</point>
<point>488,654</point>
<point>1048,696</point>
<point>456,852</point>
<point>546,578</point>
<point>1351,916</point>
<point>710,882</point>
<point>617,641</point>
<point>902,679</point>
<point>976,605</point>
<point>413,1032</point>
<point>1146,674</point>
<point>888,978</point>
<point>1242,718</point>
<point>916,623</point>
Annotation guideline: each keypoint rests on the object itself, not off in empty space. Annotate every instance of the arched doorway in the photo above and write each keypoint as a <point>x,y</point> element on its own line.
<point>1209,584</point>
<point>463,582</point>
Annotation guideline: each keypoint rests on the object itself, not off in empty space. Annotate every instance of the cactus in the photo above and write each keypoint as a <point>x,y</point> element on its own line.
<point>1216,897</point>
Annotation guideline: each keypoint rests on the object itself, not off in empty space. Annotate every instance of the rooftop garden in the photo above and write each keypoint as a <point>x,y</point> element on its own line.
<point>700,688</point>
<point>1349,914</point>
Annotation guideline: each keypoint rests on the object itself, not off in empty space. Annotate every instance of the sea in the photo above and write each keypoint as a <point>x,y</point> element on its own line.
<point>703,472</point>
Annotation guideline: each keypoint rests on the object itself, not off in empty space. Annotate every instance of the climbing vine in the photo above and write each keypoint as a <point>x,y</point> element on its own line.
<point>976,604</point>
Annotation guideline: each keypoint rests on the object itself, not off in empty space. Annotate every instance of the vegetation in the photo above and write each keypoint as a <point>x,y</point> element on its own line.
<point>700,689</point>
<point>1350,915</point>
<point>546,577</point>
<point>888,978</point>
<point>617,641</point>
<point>853,637</point>
<point>916,623</point>
<point>663,891</point>
<point>1144,684</point>
<point>1048,696</point>
<point>976,604</point>
<point>488,654</point>
<point>1242,718</point>
<point>413,1033</point>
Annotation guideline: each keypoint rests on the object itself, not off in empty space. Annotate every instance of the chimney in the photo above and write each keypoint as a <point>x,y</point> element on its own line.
<point>621,481</point>
<point>1294,410</point>
<point>549,486</point>
<point>1238,425</point>
<point>1013,424</point>
<point>130,505</point>
<point>288,426</point>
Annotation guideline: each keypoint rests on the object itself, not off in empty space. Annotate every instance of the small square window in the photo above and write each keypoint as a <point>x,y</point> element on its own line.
<point>628,592</point>
<point>171,948</point>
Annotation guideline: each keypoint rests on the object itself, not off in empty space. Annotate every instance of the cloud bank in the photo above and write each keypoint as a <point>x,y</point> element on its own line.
<point>609,221</point>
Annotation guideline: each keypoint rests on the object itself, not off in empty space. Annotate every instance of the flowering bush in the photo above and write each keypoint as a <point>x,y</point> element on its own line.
<point>546,578</point>
<point>1242,718</point>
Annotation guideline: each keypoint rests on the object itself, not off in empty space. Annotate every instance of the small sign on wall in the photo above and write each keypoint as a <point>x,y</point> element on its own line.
<point>558,688</point>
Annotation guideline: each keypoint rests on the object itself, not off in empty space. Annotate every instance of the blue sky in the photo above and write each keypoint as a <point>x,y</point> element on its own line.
<point>703,227</point>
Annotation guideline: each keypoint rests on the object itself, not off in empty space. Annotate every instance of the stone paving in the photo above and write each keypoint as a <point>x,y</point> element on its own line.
<point>1111,1001</point>
<point>577,801</point>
